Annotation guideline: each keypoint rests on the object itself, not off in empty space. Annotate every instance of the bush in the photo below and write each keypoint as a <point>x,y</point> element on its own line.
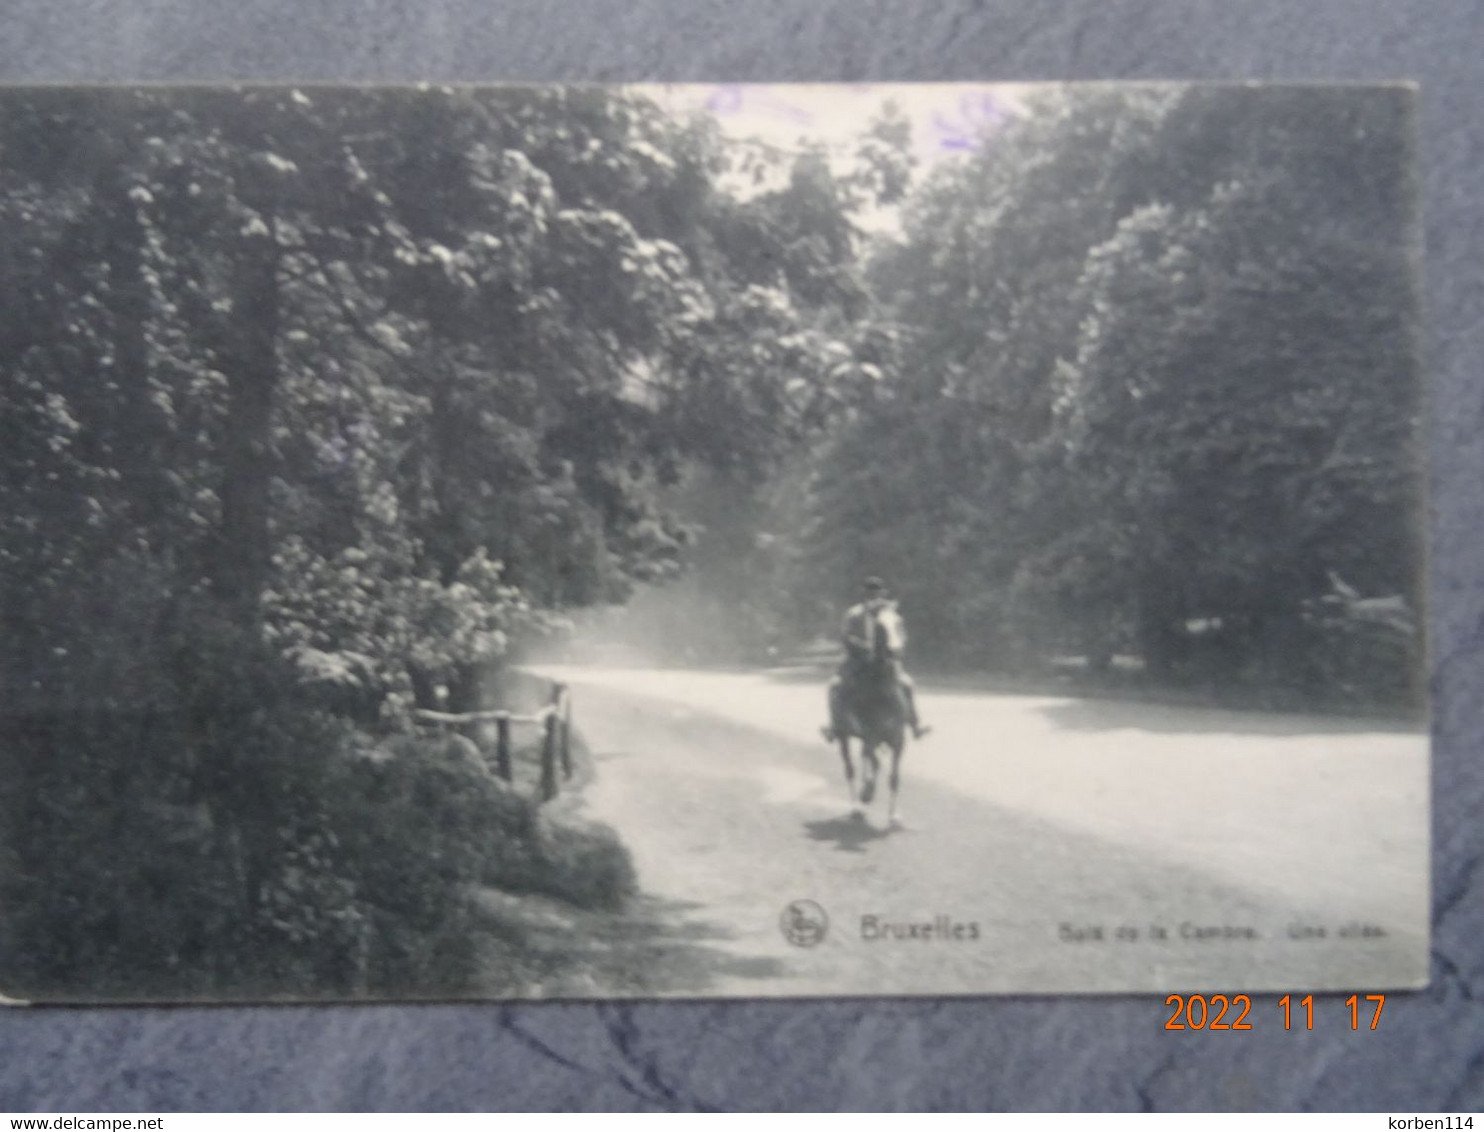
<point>175,850</point>
<point>583,863</point>
<point>417,824</point>
<point>235,840</point>
<point>423,823</point>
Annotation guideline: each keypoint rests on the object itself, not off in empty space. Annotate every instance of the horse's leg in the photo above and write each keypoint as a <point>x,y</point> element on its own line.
<point>869,770</point>
<point>896,777</point>
<point>844,740</point>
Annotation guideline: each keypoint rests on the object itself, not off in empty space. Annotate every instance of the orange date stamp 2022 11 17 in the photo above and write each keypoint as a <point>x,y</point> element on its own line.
<point>1234,1012</point>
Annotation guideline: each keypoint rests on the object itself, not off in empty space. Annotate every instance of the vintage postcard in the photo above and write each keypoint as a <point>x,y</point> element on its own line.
<point>710,541</point>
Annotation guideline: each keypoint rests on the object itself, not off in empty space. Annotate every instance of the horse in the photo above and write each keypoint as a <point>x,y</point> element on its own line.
<point>874,713</point>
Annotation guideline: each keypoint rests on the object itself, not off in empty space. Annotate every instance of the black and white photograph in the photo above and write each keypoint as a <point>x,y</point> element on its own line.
<point>710,541</point>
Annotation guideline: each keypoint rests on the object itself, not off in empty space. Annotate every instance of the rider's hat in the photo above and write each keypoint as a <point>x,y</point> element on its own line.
<point>874,584</point>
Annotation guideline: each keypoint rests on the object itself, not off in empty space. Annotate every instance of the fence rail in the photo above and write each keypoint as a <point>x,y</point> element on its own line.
<point>555,721</point>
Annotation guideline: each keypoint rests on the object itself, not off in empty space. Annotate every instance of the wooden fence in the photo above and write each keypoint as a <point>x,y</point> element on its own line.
<point>555,721</point>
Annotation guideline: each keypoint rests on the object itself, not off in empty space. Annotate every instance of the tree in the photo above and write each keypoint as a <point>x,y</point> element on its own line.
<point>795,341</point>
<point>937,480</point>
<point>1156,367</point>
<point>316,401</point>
<point>1241,412</point>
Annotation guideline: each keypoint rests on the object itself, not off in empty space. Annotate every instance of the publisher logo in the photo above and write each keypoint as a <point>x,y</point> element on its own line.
<point>804,923</point>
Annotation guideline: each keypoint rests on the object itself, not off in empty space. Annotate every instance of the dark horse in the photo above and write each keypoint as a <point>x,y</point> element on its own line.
<point>875,714</point>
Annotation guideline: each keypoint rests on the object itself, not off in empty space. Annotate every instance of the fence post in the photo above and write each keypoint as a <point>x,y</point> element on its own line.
<point>502,745</point>
<point>548,759</point>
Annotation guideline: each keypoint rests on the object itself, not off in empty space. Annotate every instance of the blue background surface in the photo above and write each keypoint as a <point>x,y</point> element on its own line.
<point>1007,1053</point>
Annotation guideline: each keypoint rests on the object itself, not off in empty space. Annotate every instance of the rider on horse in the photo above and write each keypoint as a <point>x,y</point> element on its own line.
<point>861,622</point>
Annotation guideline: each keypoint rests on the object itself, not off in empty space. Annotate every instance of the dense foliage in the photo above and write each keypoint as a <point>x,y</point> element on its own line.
<point>1156,393</point>
<point>312,404</point>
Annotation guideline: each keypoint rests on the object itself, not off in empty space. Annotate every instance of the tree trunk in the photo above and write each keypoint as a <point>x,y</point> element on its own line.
<point>244,548</point>
<point>134,430</point>
<point>424,688</point>
<point>1158,640</point>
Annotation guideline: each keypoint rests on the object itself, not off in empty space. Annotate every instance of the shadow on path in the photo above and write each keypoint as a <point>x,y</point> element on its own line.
<point>539,948</point>
<point>851,834</point>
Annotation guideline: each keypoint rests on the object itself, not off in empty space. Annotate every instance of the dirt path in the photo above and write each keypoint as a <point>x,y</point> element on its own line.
<point>1035,839</point>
